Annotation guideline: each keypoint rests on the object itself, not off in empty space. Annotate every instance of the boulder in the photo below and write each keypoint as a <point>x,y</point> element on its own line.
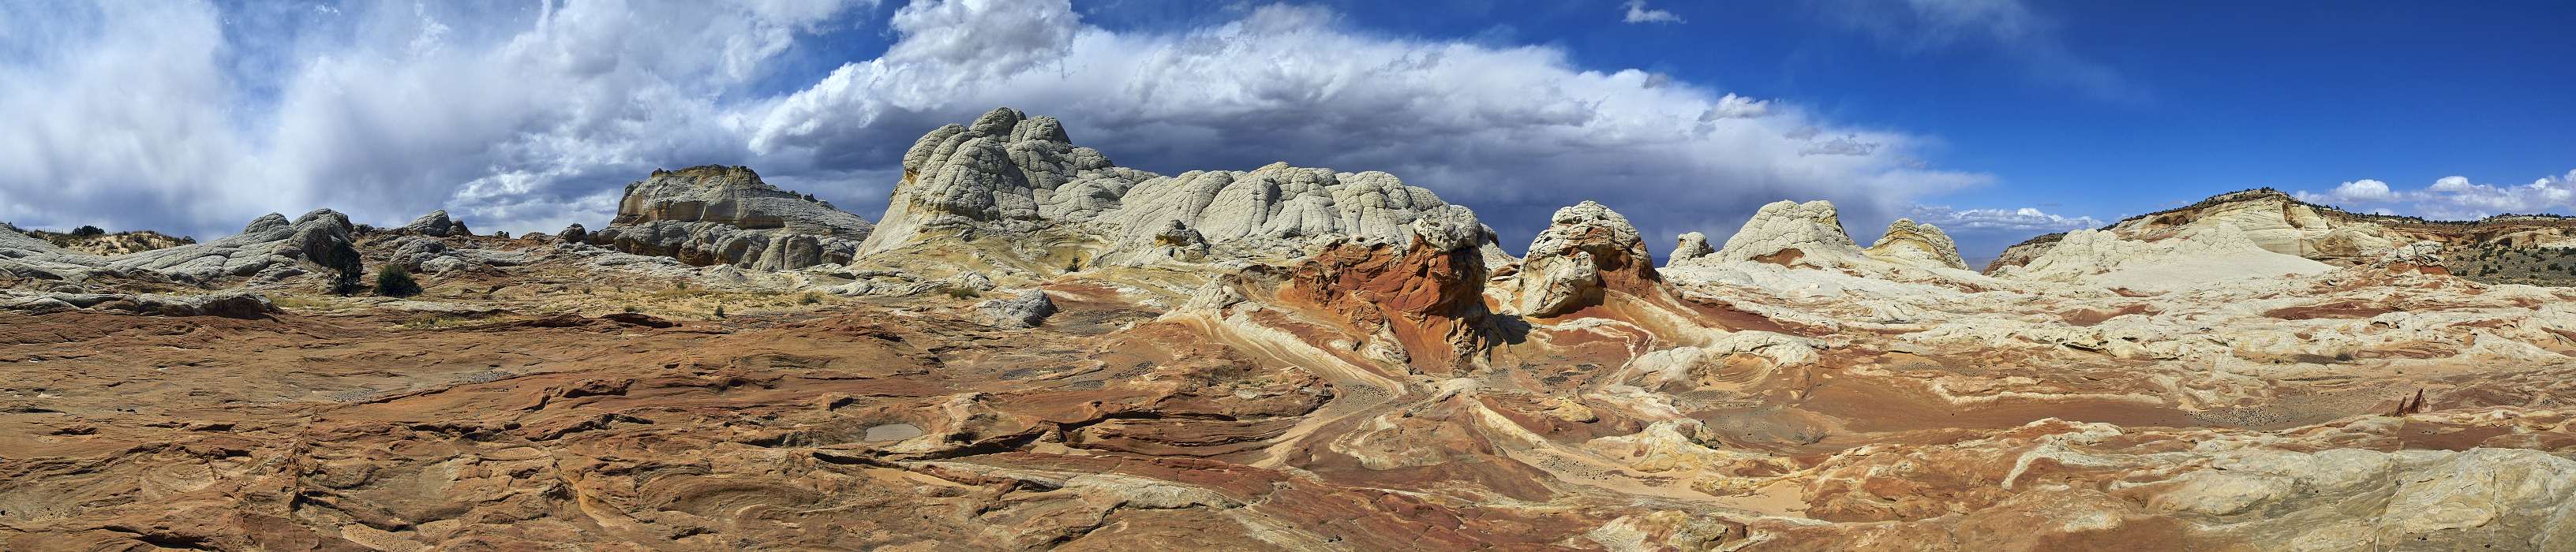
<point>437,224</point>
<point>1692,245</point>
<point>1027,309</point>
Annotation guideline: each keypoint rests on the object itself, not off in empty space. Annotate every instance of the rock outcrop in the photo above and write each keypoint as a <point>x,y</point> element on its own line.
<point>1025,309</point>
<point>2281,223</point>
<point>269,249</point>
<point>228,304</point>
<point>1907,241</point>
<point>1692,245</point>
<point>1792,234</point>
<point>1015,176</point>
<point>102,244</point>
<point>2200,256</point>
<point>1586,251</point>
<point>1421,305</point>
<point>436,224</point>
<point>710,215</point>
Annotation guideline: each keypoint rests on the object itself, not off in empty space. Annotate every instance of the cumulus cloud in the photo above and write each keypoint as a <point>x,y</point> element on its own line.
<point>2453,197</point>
<point>189,116</point>
<point>1512,131</point>
<point>1639,13</point>
<point>2025,220</point>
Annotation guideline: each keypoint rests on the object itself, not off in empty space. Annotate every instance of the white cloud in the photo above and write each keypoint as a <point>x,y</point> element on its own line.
<point>2021,221</point>
<point>2453,197</point>
<point>1638,13</point>
<point>527,119</point>
<point>1512,131</point>
<point>183,116</point>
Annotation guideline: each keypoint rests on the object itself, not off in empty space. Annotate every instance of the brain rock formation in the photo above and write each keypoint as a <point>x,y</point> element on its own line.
<point>1918,242</point>
<point>1586,250</point>
<point>709,215</point>
<point>1791,234</point>
<point>1015,176</point>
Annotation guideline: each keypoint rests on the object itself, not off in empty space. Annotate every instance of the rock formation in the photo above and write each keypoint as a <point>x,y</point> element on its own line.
<point>711,214</point>
<point>2202,255</point>
<point>1014,176</point>
<point>1586,251</point>
<point>2280,223</point>
<point>1906,240</point>
<point>1692,245</point>
<point>1421,305</point>
<point>1026,309</point>
<point>1792,234</point>
<point>436,224</point>
<point>269,249</point>
<point>229,304</point>
<point>1277,359</point>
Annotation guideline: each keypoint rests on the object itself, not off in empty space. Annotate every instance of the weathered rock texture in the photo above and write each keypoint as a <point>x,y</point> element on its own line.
<point>1026,309</point>
<point>1017,177</point>
<point>1422,306</point>
<point>1586,251</point>
<point>2280,223</point>
<point>436,224</point>
<point>104,244</point>
<point>1692,245</point>
<point>709,215</point>
<point>1792,234</point>
<point>269,249</point>
<point>1907,240</point>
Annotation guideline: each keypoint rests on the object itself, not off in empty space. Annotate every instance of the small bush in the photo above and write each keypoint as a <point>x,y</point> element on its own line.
<point>348,271</point>
<point>810,298</point>
<point>720,311</point>
<point>630,309</point>
<point>393,281</point>
<point>87,230</point>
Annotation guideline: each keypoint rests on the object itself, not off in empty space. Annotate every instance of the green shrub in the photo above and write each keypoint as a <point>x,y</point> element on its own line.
<point>810,298</point>
<point>348,271</point>
<point>719,311</point>
<point>393,281</point>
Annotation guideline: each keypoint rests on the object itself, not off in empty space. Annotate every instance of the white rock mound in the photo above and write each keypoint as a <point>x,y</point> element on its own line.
<point>1018,177</point>
<point>709,215</point>
<point>2196,257</point>
<point>1909,242</point>
<point>1692,245</point>
<point>1792,234</point>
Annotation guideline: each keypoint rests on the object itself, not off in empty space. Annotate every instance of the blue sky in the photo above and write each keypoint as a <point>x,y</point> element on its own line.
<point>1999,119</point>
